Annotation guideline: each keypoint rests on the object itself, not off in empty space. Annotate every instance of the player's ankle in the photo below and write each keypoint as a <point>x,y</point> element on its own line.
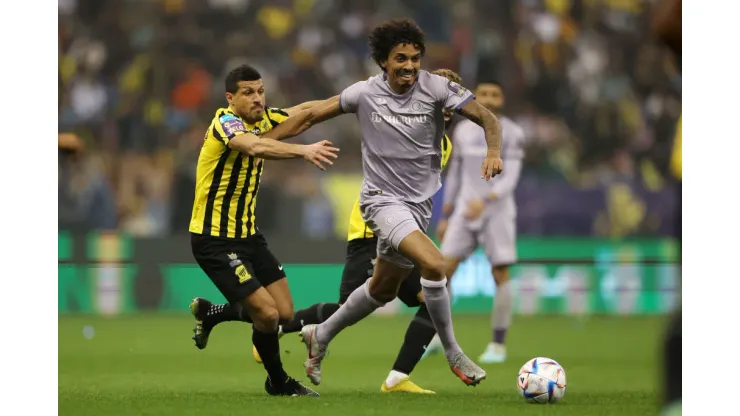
<point>394,377</point>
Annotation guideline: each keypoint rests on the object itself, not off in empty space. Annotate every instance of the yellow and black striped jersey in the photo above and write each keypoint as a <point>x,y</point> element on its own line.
<point>357,226</point>
<point>227,181</point>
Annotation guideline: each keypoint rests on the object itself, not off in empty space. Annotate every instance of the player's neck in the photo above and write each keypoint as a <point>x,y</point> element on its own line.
<point>396,87</point>
<point>399,89</point>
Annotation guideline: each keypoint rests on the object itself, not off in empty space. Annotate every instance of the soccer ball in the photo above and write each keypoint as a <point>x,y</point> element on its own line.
<point>541,380</point>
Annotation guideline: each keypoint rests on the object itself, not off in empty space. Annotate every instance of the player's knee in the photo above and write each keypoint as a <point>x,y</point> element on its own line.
<point>265,317</point>
<point>286,315</point>
<point>383,290</point>
<point>285,309</point>
<point>433,267</point>
<point>451,266</point>
<point>501,274</point>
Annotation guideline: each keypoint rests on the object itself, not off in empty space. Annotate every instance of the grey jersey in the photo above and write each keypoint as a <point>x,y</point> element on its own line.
<point>402,134</point>
<point>468,150</point>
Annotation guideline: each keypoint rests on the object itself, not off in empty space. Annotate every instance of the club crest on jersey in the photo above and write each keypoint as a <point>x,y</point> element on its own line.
<point>456,88</point>
<point>242,273</point>
<point>234,260</point>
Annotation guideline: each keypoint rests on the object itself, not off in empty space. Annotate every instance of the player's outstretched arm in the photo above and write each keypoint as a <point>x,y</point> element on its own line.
<point>317,153</point>
<point>475,112</point>
<point>303,106</point>
<point>303,120</point>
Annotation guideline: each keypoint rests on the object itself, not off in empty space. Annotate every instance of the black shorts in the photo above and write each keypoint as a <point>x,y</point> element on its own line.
<point>359,265</point>
<point>238,267</point>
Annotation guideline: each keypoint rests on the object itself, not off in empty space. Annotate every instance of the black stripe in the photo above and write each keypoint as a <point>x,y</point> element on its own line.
<point>254,197</point>
<point>279,111</point>
<point>272,122</point>
<point>216,134</point>
<point>243,199</point>
<point>217,173</point>
<point>230,189</point>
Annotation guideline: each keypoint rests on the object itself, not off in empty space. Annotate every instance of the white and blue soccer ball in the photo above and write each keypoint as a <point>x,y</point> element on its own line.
<point>541,380</point>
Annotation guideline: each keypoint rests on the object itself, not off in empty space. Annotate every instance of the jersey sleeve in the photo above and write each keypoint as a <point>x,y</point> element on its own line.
<point>227,126</point>
<point>276,115</point>
<point>452,95</point>
<point>350,97</point>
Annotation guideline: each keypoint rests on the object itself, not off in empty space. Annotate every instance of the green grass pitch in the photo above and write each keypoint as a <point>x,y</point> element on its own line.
<point>148,365</point>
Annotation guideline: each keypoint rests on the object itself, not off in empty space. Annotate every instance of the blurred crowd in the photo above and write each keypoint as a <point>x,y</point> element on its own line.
<point>140,79</point>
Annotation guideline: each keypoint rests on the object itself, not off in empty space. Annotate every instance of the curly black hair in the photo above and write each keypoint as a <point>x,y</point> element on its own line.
<point>391,33</point>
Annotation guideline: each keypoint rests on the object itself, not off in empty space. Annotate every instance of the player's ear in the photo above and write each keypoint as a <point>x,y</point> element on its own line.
<point>229,97</point>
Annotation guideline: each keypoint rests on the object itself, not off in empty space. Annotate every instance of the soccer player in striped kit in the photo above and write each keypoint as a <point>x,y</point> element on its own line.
<point>483,213</point>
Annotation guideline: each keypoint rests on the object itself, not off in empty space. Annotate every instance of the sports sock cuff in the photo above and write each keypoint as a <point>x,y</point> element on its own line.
<point>369,297</point>
<point>432,283</point>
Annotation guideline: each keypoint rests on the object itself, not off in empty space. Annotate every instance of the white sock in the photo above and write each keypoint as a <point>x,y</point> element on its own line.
<point>438,304</point>
<point>394,377</point>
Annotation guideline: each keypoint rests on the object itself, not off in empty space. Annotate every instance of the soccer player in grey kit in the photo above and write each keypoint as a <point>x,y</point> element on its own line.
<point>483,214</point>
<point>400,112</point>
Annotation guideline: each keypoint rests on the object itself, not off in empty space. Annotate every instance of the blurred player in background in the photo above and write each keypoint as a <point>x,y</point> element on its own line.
<point>400,112</point>
<point>667,28</point>
<point>360,262</point>
<point>483,214</point>
<point>225,240</point>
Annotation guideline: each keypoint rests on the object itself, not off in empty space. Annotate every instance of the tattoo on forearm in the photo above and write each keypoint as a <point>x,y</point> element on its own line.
<point>492,128</point>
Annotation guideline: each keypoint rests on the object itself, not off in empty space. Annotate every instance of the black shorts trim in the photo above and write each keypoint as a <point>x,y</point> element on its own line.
<point>238,267</point>
<point>359,265</point>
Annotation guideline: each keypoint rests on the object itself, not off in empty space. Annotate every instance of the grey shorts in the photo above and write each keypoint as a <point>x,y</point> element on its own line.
<point>496,234</point>
<point>392,221</point>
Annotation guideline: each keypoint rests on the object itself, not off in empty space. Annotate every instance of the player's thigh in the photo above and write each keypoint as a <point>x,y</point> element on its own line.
<point>358,265</point>
<point>269,272</point>
<point>392,222</point>
<point>420,249</point>
<point>498,239</point>
<point>459,241</point>
<point>410,291</point>
<point>227,267</point>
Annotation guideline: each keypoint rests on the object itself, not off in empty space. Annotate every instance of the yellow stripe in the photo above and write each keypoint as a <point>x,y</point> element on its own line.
<point>219,202</point>
<point>231,232</point>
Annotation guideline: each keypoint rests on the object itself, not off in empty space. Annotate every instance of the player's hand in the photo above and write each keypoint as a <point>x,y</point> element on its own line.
<point>441,229</point>
<point>492,165</point>
<point>474,209</point>
<point>320,153</point>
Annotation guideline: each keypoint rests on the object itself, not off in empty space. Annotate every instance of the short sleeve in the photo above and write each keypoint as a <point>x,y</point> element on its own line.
<point>228,126</point>
<point>276,116</point>
<point>452,95</point>
<point>350,97</point>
